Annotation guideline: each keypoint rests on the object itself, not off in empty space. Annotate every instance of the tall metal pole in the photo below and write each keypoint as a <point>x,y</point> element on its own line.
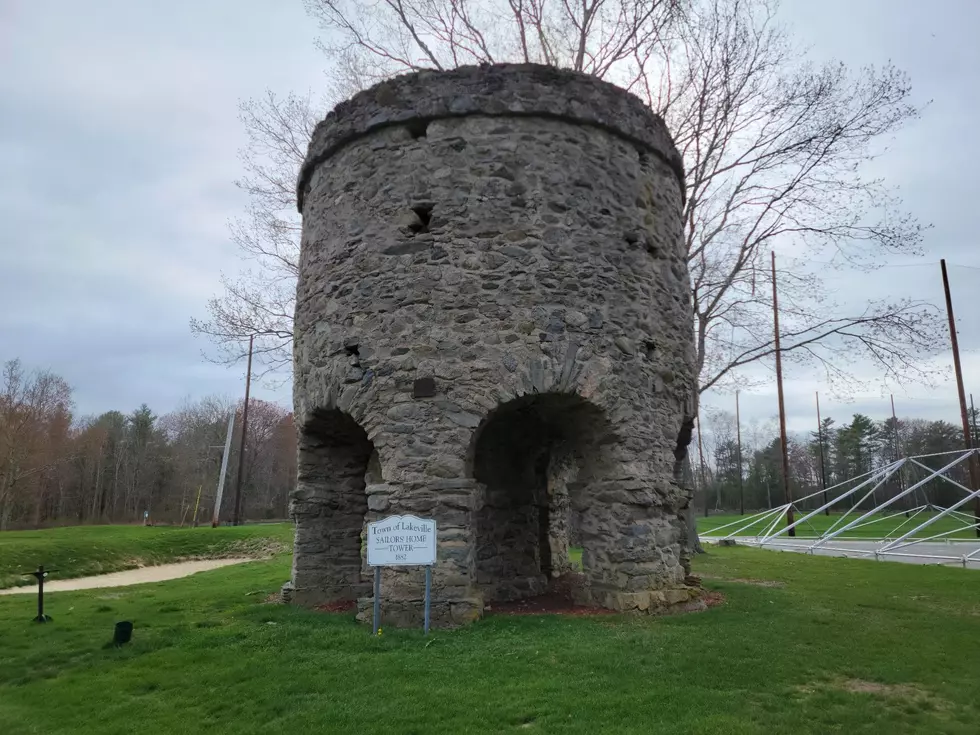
<point>967,439</point>
<point>738,436</point>
<point>704,488</point>
<point>216,512</point>
<point>787,496</point>
<point>237,520</point>
<point>823,469</point>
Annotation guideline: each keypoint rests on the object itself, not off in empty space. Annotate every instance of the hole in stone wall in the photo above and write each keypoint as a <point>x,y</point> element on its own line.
<point>417,128</point>
<point>650,348</point>
<point>352,350</point>
<point>424,213</point>
<point>527,454</point>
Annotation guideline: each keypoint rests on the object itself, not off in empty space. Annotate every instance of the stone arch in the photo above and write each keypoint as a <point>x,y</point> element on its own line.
<point>530,454</point>
<point>336,460</point>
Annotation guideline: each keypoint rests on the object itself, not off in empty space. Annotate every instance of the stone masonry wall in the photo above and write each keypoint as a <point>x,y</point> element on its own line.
<point>513,233</point>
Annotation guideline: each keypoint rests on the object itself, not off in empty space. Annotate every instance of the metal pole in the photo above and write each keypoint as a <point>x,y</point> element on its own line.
<point>377,598</point>
<point>216,512</point>
<point>704,488</point>
<point>738,436</point>
<point>237,520</point>
<point>823,470</point>
<point>40,595</point>
<point>968,443</point>
<point>787,495</point>
<point>428,596</point>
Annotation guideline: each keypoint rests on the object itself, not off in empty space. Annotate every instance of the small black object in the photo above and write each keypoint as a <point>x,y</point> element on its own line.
<point>424,388</point>
<point>124,633</point>
<point>40,574</point>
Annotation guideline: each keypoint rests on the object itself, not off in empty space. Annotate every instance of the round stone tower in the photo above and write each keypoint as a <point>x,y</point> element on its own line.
<point>493,329</point>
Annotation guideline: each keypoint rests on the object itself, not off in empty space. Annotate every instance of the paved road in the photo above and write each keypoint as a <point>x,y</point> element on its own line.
<point>950,553</point>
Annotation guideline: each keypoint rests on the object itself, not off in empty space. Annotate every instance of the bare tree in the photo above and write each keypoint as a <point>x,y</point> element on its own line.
<point>776,151</point>
<point>31,406</point>
<point>259,301</point>
<point>604,38</point>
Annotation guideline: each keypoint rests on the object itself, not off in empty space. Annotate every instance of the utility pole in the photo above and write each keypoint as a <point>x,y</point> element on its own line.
<point>738,436</point>
<point>967,439</point>
<point>787,496</point>
<point>973,418</point>
<point>823,469</point>
<point>216,511</point>
<point>704,487</point>
<point>237,520</point>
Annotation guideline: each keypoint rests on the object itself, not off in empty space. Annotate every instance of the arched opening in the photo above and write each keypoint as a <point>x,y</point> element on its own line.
<point>530,454</point>
<point>329,506</point>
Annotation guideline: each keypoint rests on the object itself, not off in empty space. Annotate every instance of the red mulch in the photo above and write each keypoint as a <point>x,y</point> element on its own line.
<point>338,607</point>
<point>546,604</point>
<point>713,599</point>
<point>558,601</point>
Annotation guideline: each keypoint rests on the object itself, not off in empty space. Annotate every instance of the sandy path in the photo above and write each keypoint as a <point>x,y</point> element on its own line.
<point>159,573</point>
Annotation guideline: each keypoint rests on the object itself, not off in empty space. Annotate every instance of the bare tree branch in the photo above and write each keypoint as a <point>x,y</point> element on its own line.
<point>775,150</point>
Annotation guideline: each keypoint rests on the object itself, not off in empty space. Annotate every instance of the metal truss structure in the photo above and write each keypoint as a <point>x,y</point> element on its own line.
<point>907,518</point>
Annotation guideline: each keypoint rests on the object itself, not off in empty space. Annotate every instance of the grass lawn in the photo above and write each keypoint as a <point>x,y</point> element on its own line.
<point>80,551</point>
<point>802,645</point>
<point>819,524</point>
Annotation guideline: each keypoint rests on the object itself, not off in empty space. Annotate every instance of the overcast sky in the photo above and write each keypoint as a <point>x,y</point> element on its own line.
<point>118,148</point>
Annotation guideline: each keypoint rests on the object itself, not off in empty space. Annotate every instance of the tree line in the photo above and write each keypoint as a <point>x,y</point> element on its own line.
<point>59,468</point>
<point>730,479</point>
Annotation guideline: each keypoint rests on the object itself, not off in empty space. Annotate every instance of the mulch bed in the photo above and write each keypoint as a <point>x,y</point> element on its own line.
<point>338,607</point>
<point>558,601</point>
<point>546,604</point>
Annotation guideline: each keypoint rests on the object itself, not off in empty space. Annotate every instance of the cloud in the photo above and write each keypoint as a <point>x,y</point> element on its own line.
<point>119,138</point>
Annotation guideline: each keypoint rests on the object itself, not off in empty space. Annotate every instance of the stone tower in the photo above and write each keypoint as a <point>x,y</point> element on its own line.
<point>493,329</point>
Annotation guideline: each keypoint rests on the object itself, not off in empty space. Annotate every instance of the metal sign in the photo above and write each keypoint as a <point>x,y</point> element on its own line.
<point>398,541</point>
<point>401,541</point>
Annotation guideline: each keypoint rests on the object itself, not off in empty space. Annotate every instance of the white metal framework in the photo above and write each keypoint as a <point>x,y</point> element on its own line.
<point>908,533</point>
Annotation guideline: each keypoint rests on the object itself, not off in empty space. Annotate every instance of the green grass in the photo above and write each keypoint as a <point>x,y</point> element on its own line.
<point>80,551</point>
<point>820,524</point>
<point>801,645</point>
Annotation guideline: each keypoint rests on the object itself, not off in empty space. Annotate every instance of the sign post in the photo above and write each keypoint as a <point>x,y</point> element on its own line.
<point>398,541</point>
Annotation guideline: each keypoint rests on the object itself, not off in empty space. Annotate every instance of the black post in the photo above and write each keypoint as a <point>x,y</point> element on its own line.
<point>40,574</point>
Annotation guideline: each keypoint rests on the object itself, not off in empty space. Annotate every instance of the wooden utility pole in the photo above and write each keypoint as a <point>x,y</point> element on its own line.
<point>738,436</point>
<point>973,419</point>
<point>967,438</point>
<point>237,520</point>
<point>787,495</point>
<point>823,469</point>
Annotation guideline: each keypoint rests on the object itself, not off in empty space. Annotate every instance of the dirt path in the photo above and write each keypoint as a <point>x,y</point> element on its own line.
<point>159,573</point>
